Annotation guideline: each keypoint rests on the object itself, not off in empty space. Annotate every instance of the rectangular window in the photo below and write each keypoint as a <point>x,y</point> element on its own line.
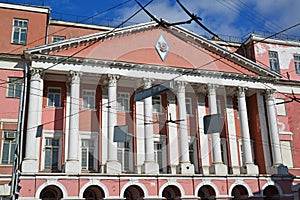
<point>20,27</point>
<point>297,63</point>
<point>51,153</point>
<point>156,104</point>
<point>123,155</point>
<point>14,87</point>
<point>191,153</point>
<point>54,97</point>
<point>57,38</point>
<point>274,63</point>
<point>87,154</point>
<point>123,101</point>
<point>158,155</point>
<point>188,104</point>
<point>88,99</point>
<point>8,147</point>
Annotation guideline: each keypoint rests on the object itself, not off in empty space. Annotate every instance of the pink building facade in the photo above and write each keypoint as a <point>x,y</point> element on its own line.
<point>81,89</point>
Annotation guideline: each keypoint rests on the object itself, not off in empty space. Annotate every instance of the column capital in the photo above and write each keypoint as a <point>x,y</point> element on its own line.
<point>269,94</point>
<point>211,88</point>
<point>112,80</point>
<point>147,82</point>
<point>180,86</point>
<point>241,92</point>
<point>36,73</point>
<point>74,77</point>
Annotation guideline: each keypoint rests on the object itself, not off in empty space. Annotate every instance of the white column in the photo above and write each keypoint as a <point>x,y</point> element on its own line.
<point>104,128</point>
<point>73,164</point>
<point>274,134</point>
<point>140,133</point>
<point>248,165</point>
<point>67,120</point>
<point>112,166</point>
<point>217,164</point>
<point>204,149</point>
<point>232,135</point>
<point>30,163</point>
<point>150,166</point>
<point>172,135</point>
<point>185,167</point>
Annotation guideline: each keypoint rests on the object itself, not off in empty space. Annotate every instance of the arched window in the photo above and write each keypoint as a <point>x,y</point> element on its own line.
<point>51,193</point>
<point>171,193</point>
<point>93,193</point>
<point>239,192</point>
<point>133,192</point>
<point>206,192</point>
<point>271,192</point>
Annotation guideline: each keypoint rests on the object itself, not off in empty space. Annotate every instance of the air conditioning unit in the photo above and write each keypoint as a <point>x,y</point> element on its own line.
<point>10,135</point>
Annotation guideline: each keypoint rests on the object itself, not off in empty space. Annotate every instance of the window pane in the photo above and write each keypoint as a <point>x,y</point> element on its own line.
<point>57,100</point>
<point>91,159</point>
<point>55,159</point>
<point>10,92</point>
<point>18,90</point>
<point>47,159</point>
<point>85,102</point>
<point>5,153</point>
<point>12,152</point>
<point>84,158</point>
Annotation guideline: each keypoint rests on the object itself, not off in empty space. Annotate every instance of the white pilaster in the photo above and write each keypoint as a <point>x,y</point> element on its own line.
<point>30,163</point>
<point>248,165</point>
<point>172,135</point>
<point>150,166</point>
<point>277,167</point>
<point>113,166</point>
<point>204,149</point>
<point>73,164</point>
<point>232,136</point>
<point>185,166</point>
<point>140,140</point>
<point>218,166</point>
<point>104,130</point>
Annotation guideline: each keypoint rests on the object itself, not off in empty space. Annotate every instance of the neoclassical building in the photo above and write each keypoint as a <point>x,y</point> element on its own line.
<point>88,138</point>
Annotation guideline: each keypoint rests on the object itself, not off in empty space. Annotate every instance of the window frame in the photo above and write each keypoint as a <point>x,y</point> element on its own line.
<point>297,63</point>
<point>123,97</point>
<point>125,154</point>
<point>11,141</point>
<point>20,29</point>
<point>273,58</point>
<point>89,148</point>
<point>51,147</point>
<point>188,105</point>
<point>156,100</point>
<point>161,139</point>
<point>89,97</point>
<point>54,100</point>
<point>58,38</point>
<point>15,82</point>
<point>93,136</point>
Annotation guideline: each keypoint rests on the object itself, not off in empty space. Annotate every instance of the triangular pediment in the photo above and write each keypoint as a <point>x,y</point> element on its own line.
<point>154,45</point>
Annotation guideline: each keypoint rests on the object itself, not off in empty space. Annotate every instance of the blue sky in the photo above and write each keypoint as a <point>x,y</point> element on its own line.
<point>225,17</point>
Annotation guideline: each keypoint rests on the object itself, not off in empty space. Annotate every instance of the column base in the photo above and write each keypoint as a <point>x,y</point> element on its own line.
<point>218,169</point>
<point>250,169</point>
<point>150,168</point>
<point>173,169</point>
<point>138,169</point>
<point>30,166</point>
<point>278,170</point>
<point>186,168</point>
<point>72,167</point>
<point>235,170</point>
<point>205,170</point>
<point>113,167</point>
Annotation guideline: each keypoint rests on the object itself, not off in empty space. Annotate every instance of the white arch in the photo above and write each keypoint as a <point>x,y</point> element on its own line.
<point>51,183</point>
<point>171,183</point>
<point>94,183</point>
<point>240,183</point>
<point>204,183</point>
<point>133,183</point>
<point>273,184</point>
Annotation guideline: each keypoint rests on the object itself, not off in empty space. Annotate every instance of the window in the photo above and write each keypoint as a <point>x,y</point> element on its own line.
<point>14,87</point>
<point>56,38</point>
<point>188,104</point>
<point>88,99</point>
<point>297,63</point>
<point>8,147</point>
<point>123,101</point>
<point>123,155</point>
<point>224,151</point>
<point>87,154</point>
<point>158,155</point>
<point>274,63</point>
<point>191,153</point>
<point>20,31</point>
<point>54,97</point>
<point>156,103</point>
<point>51,153</point>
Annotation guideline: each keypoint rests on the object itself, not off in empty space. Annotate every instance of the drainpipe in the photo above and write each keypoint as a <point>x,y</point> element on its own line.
<point>18,158</point>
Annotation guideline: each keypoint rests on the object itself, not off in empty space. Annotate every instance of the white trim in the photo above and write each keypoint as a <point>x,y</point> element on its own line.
<point>51,183</point>
<point>94,182</point>
<point>76,24</point>
<point>25,8</point>
<point>240,182</point>
<point>134,183</point>
<point>171,183</point>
